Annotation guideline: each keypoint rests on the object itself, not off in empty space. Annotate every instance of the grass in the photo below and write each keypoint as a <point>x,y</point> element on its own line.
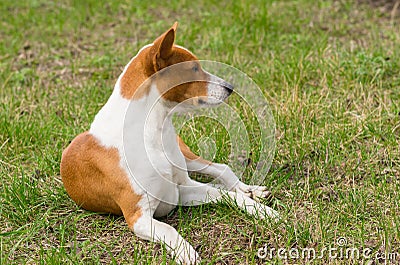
<point>329,69</point>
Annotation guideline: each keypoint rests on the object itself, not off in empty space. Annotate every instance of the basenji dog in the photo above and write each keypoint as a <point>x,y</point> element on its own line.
<point>131,161</point>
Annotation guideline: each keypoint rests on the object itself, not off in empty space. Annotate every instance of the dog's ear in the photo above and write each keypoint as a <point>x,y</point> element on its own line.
<point>163,47</point>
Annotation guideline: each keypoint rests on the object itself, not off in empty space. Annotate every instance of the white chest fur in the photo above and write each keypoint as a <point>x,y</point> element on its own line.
<point>143,133</point>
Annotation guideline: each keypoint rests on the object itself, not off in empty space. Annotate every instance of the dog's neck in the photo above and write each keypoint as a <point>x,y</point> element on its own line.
<point>157,124</point>
<point>145,117</point>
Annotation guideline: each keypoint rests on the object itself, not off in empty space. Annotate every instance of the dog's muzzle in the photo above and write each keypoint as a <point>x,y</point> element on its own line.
<point>217,90</point>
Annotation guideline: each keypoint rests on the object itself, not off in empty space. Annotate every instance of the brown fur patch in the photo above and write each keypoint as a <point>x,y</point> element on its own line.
<point>94,179</point>
<point>190,87</point>
<point>132,82</point>
<point>156,58</point>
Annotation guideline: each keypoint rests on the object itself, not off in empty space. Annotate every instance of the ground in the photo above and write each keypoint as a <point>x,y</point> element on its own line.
<point>329,70</point>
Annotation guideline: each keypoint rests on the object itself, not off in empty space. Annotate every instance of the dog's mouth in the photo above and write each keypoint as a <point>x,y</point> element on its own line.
<point>202,101</point>
<point>211,101</point>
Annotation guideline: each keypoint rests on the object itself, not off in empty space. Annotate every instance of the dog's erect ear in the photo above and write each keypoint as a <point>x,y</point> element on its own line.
<point>163,47</point>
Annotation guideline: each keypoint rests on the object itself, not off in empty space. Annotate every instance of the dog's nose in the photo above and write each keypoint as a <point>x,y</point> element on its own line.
<point>228,87</point>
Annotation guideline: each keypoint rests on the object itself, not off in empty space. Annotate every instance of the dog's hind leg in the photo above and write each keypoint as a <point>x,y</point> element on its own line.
<point>141,222</point>
<point>195,193</point>
<point>220,172</point>
<point>149,228</point>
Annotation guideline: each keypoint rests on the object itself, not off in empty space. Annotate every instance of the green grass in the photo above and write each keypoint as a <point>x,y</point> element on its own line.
<point>329,69</point>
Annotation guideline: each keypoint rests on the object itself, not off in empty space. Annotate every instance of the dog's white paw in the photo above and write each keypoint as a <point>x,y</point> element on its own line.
<point>268,213</point>
<point>252,191</point>
<point>188,255</point>
<point>258,210</point>
<point>252,196</point>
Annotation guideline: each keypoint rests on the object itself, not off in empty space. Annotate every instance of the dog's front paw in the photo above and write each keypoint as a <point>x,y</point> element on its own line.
<point>253,192</point>
<point>255,208</point>
<point>266,212</point>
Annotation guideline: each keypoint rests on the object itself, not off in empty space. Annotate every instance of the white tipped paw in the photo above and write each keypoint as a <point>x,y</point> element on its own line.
<point>253,192</point>
<point>269,213</point>
<point>189,256</point>
<point>259,210</point>
<point>252,196</point>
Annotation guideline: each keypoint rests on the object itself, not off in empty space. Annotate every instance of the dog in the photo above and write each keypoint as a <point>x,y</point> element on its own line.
<point>131,161</point>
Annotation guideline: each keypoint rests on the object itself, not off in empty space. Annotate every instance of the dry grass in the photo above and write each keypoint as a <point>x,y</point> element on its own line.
<point>330,71</point>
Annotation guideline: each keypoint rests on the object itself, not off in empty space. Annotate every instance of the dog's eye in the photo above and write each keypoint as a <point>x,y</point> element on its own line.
<point>195,68</point>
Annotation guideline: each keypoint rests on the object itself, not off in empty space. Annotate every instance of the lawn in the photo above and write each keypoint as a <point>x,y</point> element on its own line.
<point>330,71</point>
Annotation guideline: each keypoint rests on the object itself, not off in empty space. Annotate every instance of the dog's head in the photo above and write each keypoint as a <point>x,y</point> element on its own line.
<point>175,73</point>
